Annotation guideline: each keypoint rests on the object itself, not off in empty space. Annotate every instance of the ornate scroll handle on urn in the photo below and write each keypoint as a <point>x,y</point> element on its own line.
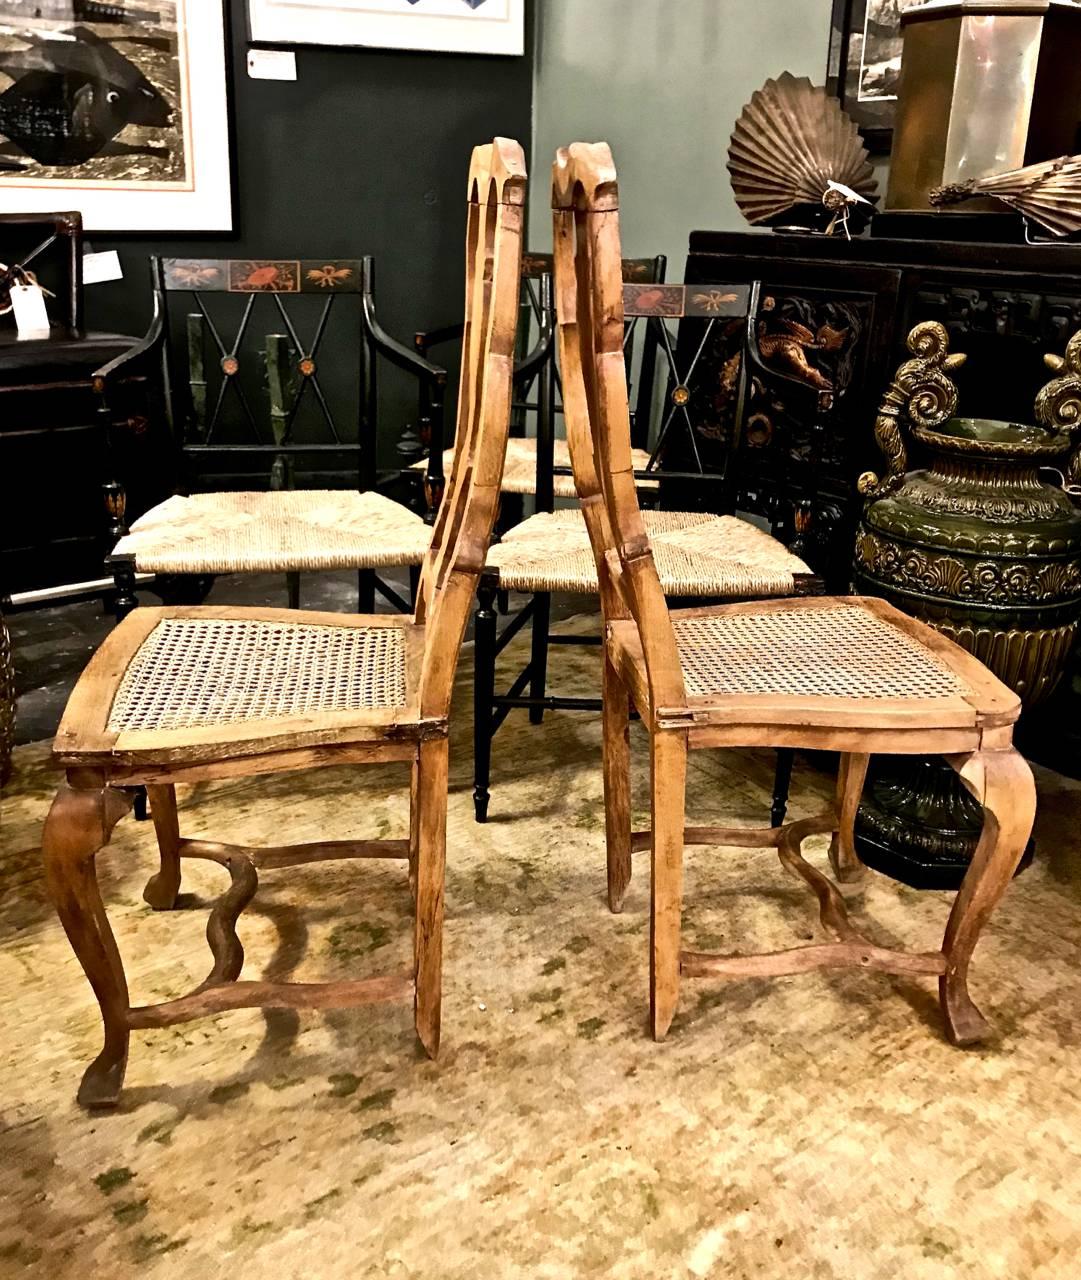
<point>922,392</point>
<point>1059,403</point>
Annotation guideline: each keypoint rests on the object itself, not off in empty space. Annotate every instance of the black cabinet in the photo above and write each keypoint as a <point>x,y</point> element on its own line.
<point>850,306</point>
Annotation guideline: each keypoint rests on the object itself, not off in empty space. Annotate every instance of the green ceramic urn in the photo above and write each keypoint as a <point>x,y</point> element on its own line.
<point>983,542</point>
<point>977,542</point>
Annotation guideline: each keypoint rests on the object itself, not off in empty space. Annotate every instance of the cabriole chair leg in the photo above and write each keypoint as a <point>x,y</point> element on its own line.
<point>851,776</point>
<point>79,824</point>
<point>1003,784</point>
<point>162,889</point>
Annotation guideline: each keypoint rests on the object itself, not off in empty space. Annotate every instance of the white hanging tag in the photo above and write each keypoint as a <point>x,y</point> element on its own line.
<point>31,318</point>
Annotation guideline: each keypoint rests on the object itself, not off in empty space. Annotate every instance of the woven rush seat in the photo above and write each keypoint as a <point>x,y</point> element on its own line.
<point>696,554</point>
<point>520,468</point>
<point>288,530</point>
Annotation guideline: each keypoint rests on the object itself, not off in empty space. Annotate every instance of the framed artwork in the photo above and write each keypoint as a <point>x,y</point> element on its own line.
<point>119,110</point>
<point>444,26</point>
<point>865,63</point>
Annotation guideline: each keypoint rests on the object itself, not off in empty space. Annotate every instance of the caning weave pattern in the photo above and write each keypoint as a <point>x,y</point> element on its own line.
<point>840,652</point>
<point>520,467</point>
<point>696,555</point>
<point>275,532</point>
<point>191,672</point>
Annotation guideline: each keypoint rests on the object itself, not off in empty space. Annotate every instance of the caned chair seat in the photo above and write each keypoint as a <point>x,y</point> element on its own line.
<point>827,664</point>
<point>288,530</point>
<point>520,469</point>
<point>185,685</point>
<point>696,554</point>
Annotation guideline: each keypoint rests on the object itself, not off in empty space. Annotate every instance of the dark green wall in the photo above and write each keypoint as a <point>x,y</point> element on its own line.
<point>367,152</point>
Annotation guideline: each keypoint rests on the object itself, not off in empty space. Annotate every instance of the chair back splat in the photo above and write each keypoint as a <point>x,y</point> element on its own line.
<point>590,327</point>
<point>467,513</point>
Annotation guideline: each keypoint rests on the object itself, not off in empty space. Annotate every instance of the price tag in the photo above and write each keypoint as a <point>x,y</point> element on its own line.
<point>98,267</point>
<point>31,318</point>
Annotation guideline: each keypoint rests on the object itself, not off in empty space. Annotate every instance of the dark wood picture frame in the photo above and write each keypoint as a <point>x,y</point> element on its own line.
<point>852,76</point>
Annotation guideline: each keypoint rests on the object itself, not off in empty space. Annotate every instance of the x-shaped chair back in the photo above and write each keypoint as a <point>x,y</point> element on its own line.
<point>294,302</point>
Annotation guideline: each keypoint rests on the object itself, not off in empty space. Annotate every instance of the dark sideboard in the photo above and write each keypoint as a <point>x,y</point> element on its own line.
<point>848,306</point>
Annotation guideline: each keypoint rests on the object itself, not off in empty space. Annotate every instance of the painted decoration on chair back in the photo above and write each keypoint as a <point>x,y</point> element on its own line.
<point>118,110</point>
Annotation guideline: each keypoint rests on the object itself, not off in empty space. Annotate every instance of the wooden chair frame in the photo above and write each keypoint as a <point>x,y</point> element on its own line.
<point>103,766</point>
<point>643,665</point>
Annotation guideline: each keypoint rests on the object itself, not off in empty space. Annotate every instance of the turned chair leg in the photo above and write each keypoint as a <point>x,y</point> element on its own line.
<point>538,656</point>
<point>484,642</point>
<point>431,803</point>
<point>668,778</point>
<point>782,784</point>
<point>850,779</point>
<point>292,588</point>
<point>162,889</point>
<point>79,824</point>
<point>365,591</point>
<point>1003,784</point>
<point>615,723</point>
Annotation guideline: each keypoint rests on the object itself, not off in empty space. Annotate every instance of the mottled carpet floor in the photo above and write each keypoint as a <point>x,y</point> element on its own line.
<point>812,1127</point>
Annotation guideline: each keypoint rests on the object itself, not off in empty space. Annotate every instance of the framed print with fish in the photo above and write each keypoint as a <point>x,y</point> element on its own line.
<point>117,108</point>
<point>865,64</point>
<point>445,26</point>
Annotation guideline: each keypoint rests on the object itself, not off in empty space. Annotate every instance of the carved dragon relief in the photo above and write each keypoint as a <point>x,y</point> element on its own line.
<point>1059,403</point>
<point>922,393</point>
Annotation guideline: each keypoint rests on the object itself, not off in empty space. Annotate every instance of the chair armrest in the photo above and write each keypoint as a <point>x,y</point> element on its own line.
<point>424,339</point>
<point>116,368</point>
<point>397,352</point>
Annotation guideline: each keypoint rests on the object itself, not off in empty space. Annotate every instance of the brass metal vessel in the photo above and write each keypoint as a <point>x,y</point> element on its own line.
<point>981,546</point>
<point>986,86</point>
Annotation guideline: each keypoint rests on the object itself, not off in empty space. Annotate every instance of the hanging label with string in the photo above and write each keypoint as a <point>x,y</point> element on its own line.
<point>28,304</point>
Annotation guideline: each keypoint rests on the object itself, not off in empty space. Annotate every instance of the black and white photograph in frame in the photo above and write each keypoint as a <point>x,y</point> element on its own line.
<point>443,26</point>
<point>865,63</point>
<point>118,109</point>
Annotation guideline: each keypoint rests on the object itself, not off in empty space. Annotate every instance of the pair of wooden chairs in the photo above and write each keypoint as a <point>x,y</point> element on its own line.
<point>189,694</point>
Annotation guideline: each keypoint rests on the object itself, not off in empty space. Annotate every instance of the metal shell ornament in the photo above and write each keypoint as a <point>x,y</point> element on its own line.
<point>1048,193</point>
<point>793,146</point>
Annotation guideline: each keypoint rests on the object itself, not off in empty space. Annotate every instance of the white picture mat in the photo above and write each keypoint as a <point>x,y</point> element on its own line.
<point>204,201</point>
<point>448,26</point>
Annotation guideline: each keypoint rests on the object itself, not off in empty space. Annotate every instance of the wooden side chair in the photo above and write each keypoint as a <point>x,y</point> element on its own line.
<point>700,555</point>
<point>192,693</point>
<point>852,675</point>
<point>276,432</point>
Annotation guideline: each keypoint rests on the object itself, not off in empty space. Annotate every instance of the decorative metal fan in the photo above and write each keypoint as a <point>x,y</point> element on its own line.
<point>794,150</point>
<point>1048,193</point>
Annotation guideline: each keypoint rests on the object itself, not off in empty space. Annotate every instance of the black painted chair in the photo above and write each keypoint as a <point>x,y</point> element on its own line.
<point>276,419</point>
<point>62,443</point>
<point>704,552</point>
<point>537,465</point>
